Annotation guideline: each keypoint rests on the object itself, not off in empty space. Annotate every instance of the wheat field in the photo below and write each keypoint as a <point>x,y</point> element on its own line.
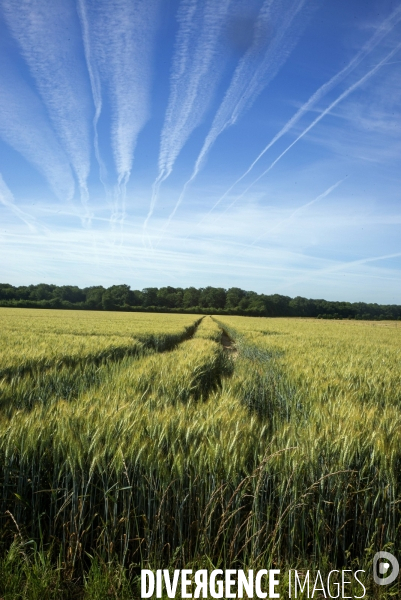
<point>135,440</point>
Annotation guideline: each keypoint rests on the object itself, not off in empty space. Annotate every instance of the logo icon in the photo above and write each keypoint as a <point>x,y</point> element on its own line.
<point>385,568</point>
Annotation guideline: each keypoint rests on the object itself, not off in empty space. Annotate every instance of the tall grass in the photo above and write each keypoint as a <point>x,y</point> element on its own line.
<point>30,341</point>
<point>168,458</point>
<point>334,397</point>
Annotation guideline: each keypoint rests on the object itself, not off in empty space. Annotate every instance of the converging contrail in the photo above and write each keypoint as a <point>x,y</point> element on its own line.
<point>291,216</point>
<point>385,27</point>
<point>197,66</point>
<point>46,35</point>
<point>343,265</point>
<point>24,125</point>
<point>7,199</point>
<point>119,38</point>
<point>95,86</point>
<point>327,110</point>
<point>298,210</point>
<point>252,75</point>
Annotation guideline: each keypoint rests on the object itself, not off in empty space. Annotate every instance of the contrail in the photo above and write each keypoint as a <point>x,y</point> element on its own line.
<point>385,27</point>
<point>292,215</point>
<point>119,42</point>
<point>197,66</point>
<point>298,210</point>
<point>95,85</point>
<point>7,199</point>
<point>252,74</point>
<point>46,34</point>
<point>25,127</point>
<point>341,97</point>
<point>344,265</point>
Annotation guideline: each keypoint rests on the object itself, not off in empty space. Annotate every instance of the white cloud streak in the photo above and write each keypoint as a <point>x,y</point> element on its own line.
<point>326,111</point>
<point>46,33</point>
<point>384,29</point>
<point>298,211</point>
<point>316,274</point>
<point>286,20</point>
<point>25,127</point>
<point>118,44</point>
<point>7,200</point>
<point>211,260</point>
<point>95,85</point>
<point>197,66</point>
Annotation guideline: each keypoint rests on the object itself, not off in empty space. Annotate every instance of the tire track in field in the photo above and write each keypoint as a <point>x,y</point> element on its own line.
<point>42,380</point>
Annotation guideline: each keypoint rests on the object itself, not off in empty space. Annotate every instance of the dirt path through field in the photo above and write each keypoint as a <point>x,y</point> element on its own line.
<point>228,344</point>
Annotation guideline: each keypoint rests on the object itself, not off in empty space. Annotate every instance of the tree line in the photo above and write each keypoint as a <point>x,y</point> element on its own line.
<point>216,300</point>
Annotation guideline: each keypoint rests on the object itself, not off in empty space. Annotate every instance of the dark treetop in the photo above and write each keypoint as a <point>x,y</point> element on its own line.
<point>233,301</point>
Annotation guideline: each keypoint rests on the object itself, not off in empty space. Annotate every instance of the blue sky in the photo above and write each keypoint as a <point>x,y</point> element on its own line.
<point>202,142</point>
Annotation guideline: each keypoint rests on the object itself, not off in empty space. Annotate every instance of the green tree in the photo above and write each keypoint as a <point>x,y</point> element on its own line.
<point>149,296</point>
<point>115,297</point>
<point>191,297</point>
<point>8,292</point>
<point>42,291</point>
<point>94,296</point>
<point>302,307</point>
<point>170,297</point>
<point>135,298</point>
<point>234,296</point>
<point>69,293</point>
<point>212,297</point>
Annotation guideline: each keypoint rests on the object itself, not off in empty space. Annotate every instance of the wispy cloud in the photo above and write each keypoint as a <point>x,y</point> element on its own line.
<point>46,33</point>
<point>25,127</point>
<point>118,38</point>
<point>351,266</point>
<point>212,260</point>
<point>380,33</point>
<point>259,65</point>
<point>197,65</point>
<point>296,212</point>
<point>7,199</point>
<point>323,113</point>
<point>287,219</point>
<point>95,85</point>
<point>372,119</point>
